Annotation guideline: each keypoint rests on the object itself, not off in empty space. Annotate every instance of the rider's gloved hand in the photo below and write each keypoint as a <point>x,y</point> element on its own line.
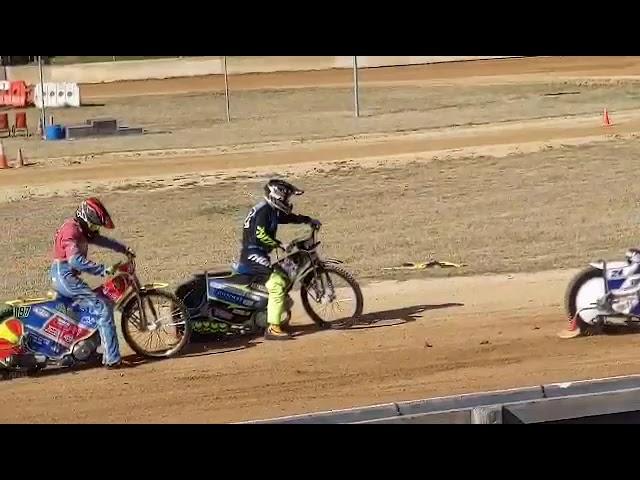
<point>315,223</point>
<point>112,269</point>
<point>286,247</point>
<point>633,255</point>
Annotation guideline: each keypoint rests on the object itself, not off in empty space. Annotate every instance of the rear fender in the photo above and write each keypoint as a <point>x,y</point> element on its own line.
<point>154,286</point>
<point>332,261</point>
<point>23,302</point>
<point>609,265</point>
<point>308,275</point>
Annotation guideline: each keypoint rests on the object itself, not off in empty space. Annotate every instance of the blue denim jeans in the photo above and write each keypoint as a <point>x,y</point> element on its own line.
<point>67,284</point>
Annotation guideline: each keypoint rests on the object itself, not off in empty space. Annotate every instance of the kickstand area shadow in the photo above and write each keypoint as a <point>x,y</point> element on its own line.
<point>381,319</point>
<point>614,330</point>
<point>132,361</point>
<point>201,347</point>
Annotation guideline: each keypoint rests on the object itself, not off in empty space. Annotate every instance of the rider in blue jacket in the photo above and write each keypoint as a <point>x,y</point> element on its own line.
<point>259,239</point>
<point>71,245</point>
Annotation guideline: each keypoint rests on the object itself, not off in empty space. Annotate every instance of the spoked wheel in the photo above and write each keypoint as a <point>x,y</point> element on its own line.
<point>167,328</point>
<point>332,297</point>
<point>583,290</point>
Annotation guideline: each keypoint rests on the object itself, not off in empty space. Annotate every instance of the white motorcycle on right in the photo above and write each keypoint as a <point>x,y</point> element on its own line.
<point>604,294</point>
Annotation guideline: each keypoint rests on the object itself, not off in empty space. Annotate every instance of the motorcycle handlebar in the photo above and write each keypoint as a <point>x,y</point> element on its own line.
<point>289,247</point>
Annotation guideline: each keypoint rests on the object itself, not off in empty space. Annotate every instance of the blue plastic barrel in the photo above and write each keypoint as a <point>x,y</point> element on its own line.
<point>54,132</point>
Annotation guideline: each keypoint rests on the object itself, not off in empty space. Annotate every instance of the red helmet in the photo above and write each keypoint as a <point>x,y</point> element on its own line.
<point>92,212</point>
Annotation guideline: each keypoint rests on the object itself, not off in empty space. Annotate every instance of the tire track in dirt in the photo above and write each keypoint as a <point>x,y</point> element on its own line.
<point>424,345</point>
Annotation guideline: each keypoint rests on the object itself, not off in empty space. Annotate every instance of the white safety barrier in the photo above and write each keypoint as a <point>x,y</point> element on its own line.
<point>4,86</point>
<point>57,95</point>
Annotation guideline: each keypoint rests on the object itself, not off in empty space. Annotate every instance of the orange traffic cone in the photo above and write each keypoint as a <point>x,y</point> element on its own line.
<point>3,158</point>
<point>606,120</point>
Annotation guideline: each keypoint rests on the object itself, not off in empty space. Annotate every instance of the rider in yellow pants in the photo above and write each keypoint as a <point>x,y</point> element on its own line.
<point>276,286</point>
<point>259,239</point>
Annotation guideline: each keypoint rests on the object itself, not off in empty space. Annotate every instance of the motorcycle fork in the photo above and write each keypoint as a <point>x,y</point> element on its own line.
<point>327,285</point>
<point>144,324</point>
<point>604,276</point>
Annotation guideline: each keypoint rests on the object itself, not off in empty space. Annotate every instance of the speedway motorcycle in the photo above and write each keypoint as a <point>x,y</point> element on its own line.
<point>224,303</point>
<point>584,298</point>
<point>56,330</point>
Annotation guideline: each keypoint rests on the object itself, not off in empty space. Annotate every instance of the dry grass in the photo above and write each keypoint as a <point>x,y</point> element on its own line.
<point>552,209</point>
<point>197,120</point>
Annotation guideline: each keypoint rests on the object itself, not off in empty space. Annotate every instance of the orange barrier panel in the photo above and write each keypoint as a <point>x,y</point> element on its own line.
<point>18,92</point>
<point>21,124</point>
<point>4,123</point>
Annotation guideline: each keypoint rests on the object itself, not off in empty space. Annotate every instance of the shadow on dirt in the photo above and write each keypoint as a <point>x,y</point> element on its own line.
<point>203,347</point>
<point>132,361</point>
<point>616,330</point>
<point>383,319</point>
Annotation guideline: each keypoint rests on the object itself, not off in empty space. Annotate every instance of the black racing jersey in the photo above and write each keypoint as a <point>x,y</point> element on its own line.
<point>260,229</point>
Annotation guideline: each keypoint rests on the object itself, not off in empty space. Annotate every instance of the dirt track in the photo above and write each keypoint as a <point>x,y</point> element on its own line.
<point>502,337</point>
<point>423,344</point>
<point>482,71</point>
<point>52,179</point>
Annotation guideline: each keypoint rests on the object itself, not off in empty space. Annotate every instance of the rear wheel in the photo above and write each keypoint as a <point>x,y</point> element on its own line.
<point>331,296</point>
<point>167,329</point>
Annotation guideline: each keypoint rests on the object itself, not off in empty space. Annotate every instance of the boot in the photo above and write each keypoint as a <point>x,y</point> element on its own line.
<point>274,332</point>
<point>119,365</point>
<point>572,331</point>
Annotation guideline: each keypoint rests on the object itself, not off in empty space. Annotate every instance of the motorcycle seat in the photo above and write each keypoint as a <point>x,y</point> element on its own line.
<point>219,274</point>
<point>238,279</point>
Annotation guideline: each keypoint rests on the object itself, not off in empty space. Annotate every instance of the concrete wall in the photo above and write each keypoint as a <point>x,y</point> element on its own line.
<point>197,66</point>
<point>615,398</point>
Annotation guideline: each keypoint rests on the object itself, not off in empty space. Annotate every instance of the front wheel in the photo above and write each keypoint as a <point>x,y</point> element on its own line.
<point>331,296</point>
<point>582,292</point>
<point>163,331</point>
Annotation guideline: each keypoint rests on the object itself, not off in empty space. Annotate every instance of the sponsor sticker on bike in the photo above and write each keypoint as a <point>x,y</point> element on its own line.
<point>63,331</point>
<point>88,322</point>
<point>63,309</point>
<point>616,273</point>
<point>41,312</point>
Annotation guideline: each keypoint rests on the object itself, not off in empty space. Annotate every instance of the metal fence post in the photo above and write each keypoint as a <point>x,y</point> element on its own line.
<point>226,88</point>
<point>42,110</point>
<point>355,86</point>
